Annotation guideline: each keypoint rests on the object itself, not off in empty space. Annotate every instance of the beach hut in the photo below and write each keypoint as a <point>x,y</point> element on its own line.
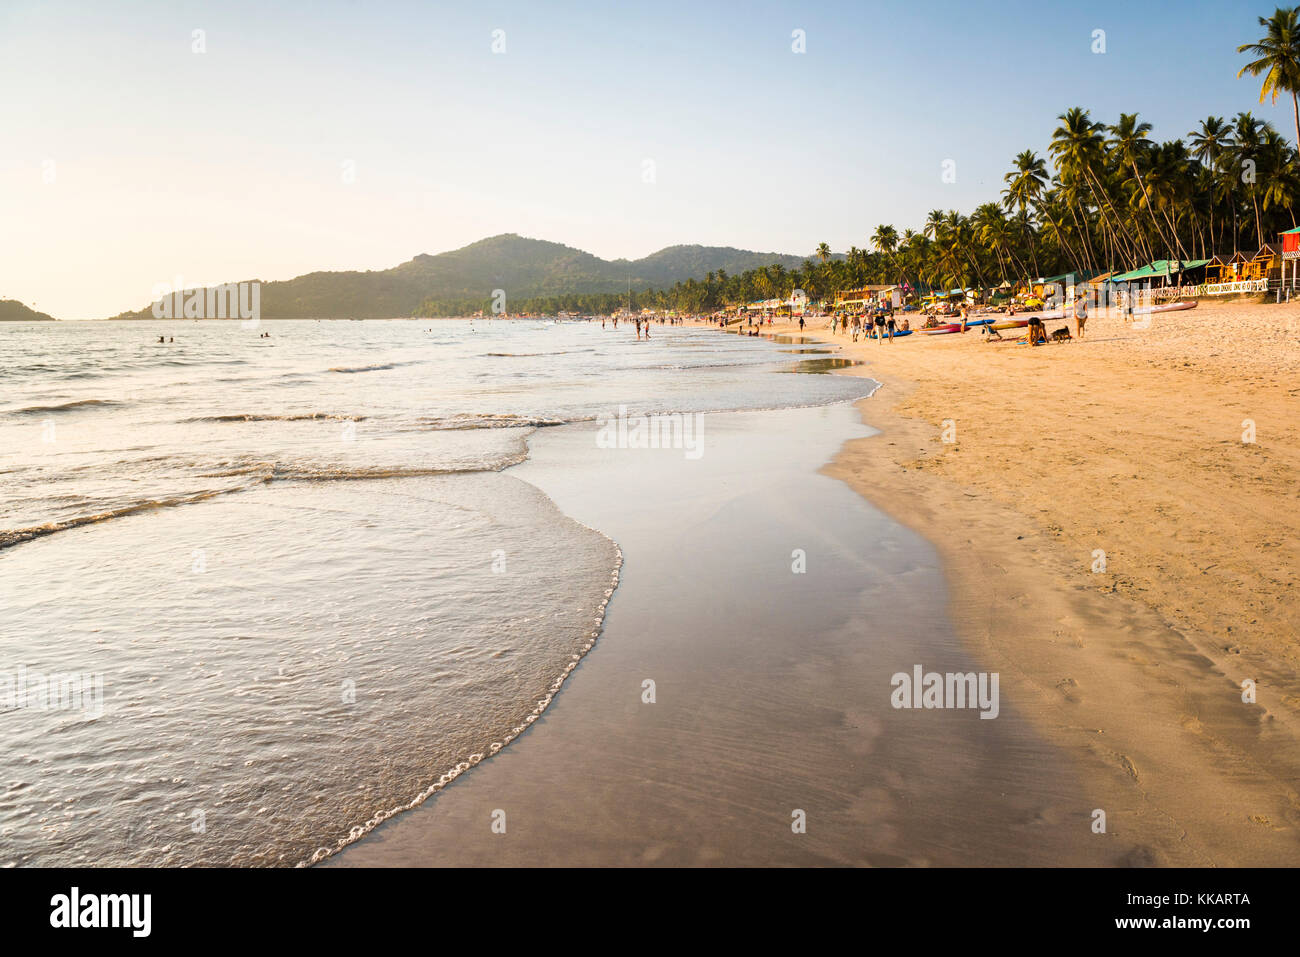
<point>1237,262</point>
<point>863,296</point>
<point>1217,270</point>
<point>1290,243</point>
<point>1265,264</point>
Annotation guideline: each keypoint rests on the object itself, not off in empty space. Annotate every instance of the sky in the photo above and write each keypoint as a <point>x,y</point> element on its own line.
<point>290,137</point>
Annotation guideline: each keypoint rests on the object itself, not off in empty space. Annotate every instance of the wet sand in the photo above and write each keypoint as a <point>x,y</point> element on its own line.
<point>772,689</point>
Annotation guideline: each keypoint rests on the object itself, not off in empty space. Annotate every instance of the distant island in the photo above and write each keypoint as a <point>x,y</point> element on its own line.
<point>11,310</point>
<point>532,273</point>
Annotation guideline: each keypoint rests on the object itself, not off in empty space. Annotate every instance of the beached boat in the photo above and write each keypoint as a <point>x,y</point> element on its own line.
<point>1166,307</point>
<point>942,330</point>
<point>1010,324</point>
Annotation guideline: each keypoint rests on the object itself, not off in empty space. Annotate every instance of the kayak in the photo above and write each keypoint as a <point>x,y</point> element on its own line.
<point>1167,307</point>
<point>1010,324</point>
<point>942,330</point>
<point>1053,314</point>
<point>971,323</point>
<point>897,333</point>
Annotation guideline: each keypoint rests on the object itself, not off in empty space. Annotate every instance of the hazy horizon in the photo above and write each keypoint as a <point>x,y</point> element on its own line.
<point>356,136</point>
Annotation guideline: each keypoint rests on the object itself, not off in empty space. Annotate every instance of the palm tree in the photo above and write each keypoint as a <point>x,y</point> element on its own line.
<point>823,251</point>
<point>885,239</point>
<point>1209,145</point>
<point>1248,136</point>
<point>1281,174</point>
<point>1024,188</point>
<point>1128,142</point>
<point>1278,60</point>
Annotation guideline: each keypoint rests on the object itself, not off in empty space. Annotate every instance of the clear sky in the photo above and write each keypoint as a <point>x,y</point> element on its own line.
<point>232,163</point>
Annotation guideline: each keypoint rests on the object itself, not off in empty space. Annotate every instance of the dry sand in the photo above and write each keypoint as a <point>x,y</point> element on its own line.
<point>1129,442</point>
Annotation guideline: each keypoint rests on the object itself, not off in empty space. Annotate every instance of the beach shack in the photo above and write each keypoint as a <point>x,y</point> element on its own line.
<point>1290,244</point>
<point>863,297</point>
<point>1218,270</point>
<point>1265,264</point>
<point>1167,278</point>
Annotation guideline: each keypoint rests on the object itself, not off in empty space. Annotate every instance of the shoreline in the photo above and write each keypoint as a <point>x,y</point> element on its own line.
<point>1129,671</point>
<point>773,690</point>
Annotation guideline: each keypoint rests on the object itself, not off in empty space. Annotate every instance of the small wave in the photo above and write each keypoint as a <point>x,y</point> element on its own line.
<point>64,406</point>
<point>330,473</point>
<point>292,417</point>
<point>376,367</point>
<point>487,421</point>
<point>16,536</point>
<point>524,355</point>
<point>361,830</point>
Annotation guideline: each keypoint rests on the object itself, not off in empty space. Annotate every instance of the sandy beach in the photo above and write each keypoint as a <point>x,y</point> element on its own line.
<point>772,689</point>
<point>1129,443</point>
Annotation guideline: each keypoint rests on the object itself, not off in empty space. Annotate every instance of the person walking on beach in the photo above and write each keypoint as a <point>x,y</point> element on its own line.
<point>801,323</point>
<point>889,325</point>
<point>638,329</point>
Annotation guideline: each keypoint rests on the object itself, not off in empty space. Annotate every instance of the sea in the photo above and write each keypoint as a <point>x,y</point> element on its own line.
<point>262,589</point>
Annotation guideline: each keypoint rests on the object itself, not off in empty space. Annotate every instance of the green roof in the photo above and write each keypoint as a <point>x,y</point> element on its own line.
<point>1291,232</point>
<point>1161,267</point>
<point>1075,276</point>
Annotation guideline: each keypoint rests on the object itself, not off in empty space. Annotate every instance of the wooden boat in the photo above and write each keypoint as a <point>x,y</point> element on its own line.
<point>1166,307</point>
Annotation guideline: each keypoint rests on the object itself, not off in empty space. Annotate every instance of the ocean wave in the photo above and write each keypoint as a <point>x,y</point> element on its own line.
<point>256,473</point>
<point>64,406</point>
<point>376,367</point>
<point>523,355</point>
<point>317,473</point>
<point>356,833</point>
<point>290,417</point>
<point>507,420</point>
<point>16,536</point>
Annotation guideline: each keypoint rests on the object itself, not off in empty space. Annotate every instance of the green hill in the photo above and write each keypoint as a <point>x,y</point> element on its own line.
<point>465,278</point>
<point>11,310</point>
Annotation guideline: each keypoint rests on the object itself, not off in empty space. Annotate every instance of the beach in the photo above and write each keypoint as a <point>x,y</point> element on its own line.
<point>772,688</point>
<point>1128,443</point>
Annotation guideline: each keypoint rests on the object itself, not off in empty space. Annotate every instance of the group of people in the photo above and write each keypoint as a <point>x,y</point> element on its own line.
<point>643,323</point>
<point>882,325</point>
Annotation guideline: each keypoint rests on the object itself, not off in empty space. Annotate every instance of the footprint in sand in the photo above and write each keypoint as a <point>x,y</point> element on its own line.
<point>1069,690</point>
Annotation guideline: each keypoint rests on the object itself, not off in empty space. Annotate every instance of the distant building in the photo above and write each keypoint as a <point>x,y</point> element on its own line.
<point>863,296</point>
